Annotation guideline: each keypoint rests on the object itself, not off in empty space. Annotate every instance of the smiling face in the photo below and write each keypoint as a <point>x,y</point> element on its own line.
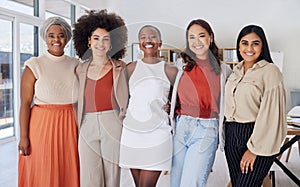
<point>250,47</point>
<point>100,42</point>
<point>149,41</point>
<point>56,40</point>
<point>199,41</point>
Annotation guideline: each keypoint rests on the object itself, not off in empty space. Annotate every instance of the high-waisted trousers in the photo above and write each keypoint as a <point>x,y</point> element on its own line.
<point>236,138</point>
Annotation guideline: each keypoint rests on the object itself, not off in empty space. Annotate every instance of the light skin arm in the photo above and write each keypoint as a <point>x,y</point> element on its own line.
<point>27,92</point>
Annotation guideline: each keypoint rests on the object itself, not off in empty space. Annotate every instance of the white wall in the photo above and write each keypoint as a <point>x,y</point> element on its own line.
<point>279,18</point>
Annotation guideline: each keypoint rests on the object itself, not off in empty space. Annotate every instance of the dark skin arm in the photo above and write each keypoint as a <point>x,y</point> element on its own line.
<point>27,92</point>
<point>130,68</point>
<point>171,72</point>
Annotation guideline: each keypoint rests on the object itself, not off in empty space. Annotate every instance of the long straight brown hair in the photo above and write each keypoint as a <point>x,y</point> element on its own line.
<point>189,57</point>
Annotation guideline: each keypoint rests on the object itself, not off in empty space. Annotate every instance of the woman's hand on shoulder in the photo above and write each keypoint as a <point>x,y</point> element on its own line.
<point>171,72</point>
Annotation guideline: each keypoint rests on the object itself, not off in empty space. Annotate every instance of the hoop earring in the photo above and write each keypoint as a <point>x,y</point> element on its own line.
<point>110,47</point>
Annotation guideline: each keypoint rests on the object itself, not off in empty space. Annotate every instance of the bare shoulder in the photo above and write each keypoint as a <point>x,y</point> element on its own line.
<point>28,74</point>
<point>130,67</point>
<point>171,72</point>
<point>28,79</point>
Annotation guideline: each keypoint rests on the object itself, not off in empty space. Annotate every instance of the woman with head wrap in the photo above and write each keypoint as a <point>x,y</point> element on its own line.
<point>48,154</point>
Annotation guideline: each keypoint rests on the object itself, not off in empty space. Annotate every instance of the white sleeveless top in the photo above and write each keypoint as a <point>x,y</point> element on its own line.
<point>146,141</point>
<point>149,89</point>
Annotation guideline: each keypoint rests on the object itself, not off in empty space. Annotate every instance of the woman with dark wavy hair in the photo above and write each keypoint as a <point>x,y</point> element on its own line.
<point>100,40</point>
<point>255,110</point>
<point>199,115</point>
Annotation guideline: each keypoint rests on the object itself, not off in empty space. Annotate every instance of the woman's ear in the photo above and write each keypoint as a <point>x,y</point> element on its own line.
<point>160,43</point>
<point>89,41</point>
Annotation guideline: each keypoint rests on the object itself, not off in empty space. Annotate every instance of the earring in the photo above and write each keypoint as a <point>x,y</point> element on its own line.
<point>110,48</point>
<point>89,45</point>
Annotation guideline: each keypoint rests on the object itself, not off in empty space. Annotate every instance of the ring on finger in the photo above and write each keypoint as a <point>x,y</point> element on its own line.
<point>21,152</point>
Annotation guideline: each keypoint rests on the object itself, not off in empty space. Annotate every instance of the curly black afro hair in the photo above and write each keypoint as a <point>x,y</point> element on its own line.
<point>94,19</point>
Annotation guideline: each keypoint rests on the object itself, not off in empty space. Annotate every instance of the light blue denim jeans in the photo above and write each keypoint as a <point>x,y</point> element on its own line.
<point>194,149</point>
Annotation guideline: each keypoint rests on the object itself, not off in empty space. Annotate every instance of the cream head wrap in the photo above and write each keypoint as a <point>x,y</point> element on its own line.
<point>56,21</point>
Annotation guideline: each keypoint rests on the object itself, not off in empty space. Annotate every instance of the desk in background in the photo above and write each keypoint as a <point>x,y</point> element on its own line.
<point>295,132</point>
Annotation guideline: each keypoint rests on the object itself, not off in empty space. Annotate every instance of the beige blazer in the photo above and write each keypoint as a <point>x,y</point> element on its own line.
<point>120,88</point>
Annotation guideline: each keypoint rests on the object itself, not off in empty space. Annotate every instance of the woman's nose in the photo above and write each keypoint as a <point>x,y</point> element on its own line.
<point>250,47</point>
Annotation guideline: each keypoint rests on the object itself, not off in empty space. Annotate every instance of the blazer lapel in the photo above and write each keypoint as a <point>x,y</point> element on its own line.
<point>82,74</point>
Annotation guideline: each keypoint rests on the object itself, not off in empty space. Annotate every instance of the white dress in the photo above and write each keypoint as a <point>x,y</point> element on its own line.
<point>146,141</point>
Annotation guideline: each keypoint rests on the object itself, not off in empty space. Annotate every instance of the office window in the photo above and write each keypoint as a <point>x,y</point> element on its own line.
<point>26,43</point>
<point>58,8</point>
<point>82,11</point>
<point>23,6</point>
<point>6,79</point>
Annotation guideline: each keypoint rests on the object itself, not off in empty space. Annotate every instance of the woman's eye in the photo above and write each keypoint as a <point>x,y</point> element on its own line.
<point>244,43</point>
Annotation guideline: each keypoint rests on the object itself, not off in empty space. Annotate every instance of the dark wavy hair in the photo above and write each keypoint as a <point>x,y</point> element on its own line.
<point>189,57</point>
<point>265,52</point>
<point>94,19</point>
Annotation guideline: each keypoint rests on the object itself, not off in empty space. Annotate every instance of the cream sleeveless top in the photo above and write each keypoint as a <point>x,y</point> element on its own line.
<point>56,82</point>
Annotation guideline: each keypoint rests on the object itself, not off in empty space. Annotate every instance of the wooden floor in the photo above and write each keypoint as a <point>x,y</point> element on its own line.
<point>218,178</point>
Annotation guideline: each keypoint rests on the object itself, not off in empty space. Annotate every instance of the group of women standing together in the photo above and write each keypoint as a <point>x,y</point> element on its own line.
<point>116,115</point>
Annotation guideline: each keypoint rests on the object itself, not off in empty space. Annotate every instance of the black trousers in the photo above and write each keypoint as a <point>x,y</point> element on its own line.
<point>236,138</point>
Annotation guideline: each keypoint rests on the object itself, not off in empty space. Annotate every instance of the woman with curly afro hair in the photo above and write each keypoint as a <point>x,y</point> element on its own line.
<point>100,40</point>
